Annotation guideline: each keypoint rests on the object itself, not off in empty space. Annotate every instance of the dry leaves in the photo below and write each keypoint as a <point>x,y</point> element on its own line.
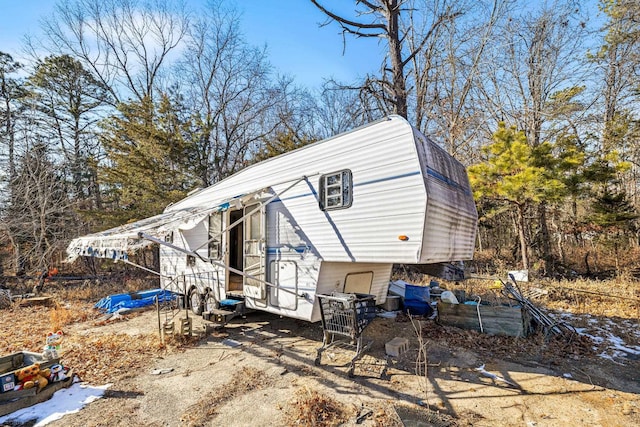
<point>97,358</point>
<point>312,409</point>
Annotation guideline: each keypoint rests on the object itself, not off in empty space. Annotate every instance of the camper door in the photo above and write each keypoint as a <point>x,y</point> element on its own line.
<point>254,252</point>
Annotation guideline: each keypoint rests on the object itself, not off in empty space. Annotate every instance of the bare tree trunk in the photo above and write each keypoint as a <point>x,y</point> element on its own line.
<point>520,225</point>
<point>545,238</point>
<point>381,19</point>
<point>395,54</point>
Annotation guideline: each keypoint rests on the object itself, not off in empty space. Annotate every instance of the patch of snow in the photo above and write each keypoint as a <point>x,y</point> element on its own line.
<point>599,330</point>
<point>63,402</point>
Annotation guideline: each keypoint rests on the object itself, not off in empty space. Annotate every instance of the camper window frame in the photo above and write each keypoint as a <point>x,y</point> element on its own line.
<point>345,186</point>
<point>214,246</point>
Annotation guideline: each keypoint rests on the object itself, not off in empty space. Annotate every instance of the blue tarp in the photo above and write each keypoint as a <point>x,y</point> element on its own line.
<point>113,303</point>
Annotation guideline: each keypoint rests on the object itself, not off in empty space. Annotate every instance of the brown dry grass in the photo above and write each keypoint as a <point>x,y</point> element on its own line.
<point>95,358</point>
<point>93,290</point>
<point>619,298</point>
<point>312,409</point>
<point>537,347</point>
<point>385,415</point>
<point>25,328</point>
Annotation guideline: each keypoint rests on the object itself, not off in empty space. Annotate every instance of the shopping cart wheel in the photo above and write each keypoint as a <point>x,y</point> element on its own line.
<point>317,361</point>
<point>352,368</point>
<point>384,375</point>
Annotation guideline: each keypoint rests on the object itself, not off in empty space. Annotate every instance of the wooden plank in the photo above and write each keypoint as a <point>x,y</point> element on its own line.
<point>11,362</point>
<point>496,320</point>
<point>28,302</point>
<point>6,367</point>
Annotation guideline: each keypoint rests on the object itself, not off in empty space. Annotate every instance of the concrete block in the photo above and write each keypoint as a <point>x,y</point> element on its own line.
<point>396,346</point>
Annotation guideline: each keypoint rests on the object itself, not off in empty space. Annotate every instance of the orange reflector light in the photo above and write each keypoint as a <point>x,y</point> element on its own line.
<point>403,238</point>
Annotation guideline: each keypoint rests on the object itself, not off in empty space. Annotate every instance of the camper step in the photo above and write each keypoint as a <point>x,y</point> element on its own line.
<point>220,316</point>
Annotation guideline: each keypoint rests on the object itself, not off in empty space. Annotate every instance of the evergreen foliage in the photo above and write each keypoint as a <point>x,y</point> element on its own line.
<point>515,172</point>
<point>148,157</point>
<point>282,142</point>
<point>68,98</point>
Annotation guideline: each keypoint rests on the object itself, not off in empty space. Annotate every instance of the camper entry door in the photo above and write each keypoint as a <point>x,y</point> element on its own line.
<point>254,253</point>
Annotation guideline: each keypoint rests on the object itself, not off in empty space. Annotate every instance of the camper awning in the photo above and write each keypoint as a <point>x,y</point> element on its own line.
<point>116,243</point>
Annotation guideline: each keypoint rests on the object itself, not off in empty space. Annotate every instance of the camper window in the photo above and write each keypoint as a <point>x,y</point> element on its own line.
<point>336,190</point>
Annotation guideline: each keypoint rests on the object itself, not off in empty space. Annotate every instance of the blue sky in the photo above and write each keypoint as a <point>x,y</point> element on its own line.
<point>290,29</point>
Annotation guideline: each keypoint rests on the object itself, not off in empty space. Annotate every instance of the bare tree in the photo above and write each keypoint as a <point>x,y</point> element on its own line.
<point>230,91</point>
<point>619,58</point>
<point>37,217</point>
<point>124,43</point>
<point>381,19</point>
<point>338,110</point>
<point>448,72</point>
<point>538,54</point>
<point>10,91</point>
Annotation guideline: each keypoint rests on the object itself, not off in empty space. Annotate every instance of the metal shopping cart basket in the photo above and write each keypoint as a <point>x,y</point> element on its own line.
<point>346,315</point>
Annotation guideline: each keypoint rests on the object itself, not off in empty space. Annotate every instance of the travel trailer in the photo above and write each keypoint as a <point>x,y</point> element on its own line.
<point>333,216</point>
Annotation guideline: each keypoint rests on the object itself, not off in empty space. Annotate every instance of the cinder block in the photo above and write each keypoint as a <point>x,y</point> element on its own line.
<point>396,346</point>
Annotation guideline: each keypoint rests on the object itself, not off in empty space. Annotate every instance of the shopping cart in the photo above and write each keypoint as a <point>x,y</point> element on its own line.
<point>345,315</point>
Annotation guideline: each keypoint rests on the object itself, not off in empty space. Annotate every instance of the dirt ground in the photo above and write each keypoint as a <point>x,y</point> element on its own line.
<point>260,371</point>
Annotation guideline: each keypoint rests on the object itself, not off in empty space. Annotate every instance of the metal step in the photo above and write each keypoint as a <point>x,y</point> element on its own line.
<point>220,316</point>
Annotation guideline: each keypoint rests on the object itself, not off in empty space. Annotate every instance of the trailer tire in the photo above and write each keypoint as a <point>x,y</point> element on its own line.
<point>196,301</point>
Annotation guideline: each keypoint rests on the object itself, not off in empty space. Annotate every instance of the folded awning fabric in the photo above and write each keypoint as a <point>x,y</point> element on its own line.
<point>117,242</point>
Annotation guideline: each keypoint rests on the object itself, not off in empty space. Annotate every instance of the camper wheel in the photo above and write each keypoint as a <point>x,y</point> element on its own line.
<point>196,301</point>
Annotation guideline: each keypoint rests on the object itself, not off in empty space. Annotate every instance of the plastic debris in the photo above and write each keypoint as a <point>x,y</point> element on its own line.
<point>114,303</point>
<point>482,371</point>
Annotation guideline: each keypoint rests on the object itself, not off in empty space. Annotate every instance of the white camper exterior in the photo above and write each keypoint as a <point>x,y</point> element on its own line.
<point>331,216</point>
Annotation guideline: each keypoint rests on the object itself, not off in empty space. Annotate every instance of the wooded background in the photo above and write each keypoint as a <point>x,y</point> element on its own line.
<point>133,104</point>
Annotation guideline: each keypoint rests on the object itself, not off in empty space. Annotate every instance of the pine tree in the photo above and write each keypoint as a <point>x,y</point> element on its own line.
<point>68,98</point>
<point>282,143</point>
<point>147,164</point>
<point>517,175</point>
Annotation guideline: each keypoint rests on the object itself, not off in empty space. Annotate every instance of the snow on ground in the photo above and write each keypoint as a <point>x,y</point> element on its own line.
<point>64,401</point>
<point>605,335</point>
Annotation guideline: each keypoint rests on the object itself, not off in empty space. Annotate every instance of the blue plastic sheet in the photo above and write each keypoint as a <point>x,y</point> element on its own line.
<point>113,303</point>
